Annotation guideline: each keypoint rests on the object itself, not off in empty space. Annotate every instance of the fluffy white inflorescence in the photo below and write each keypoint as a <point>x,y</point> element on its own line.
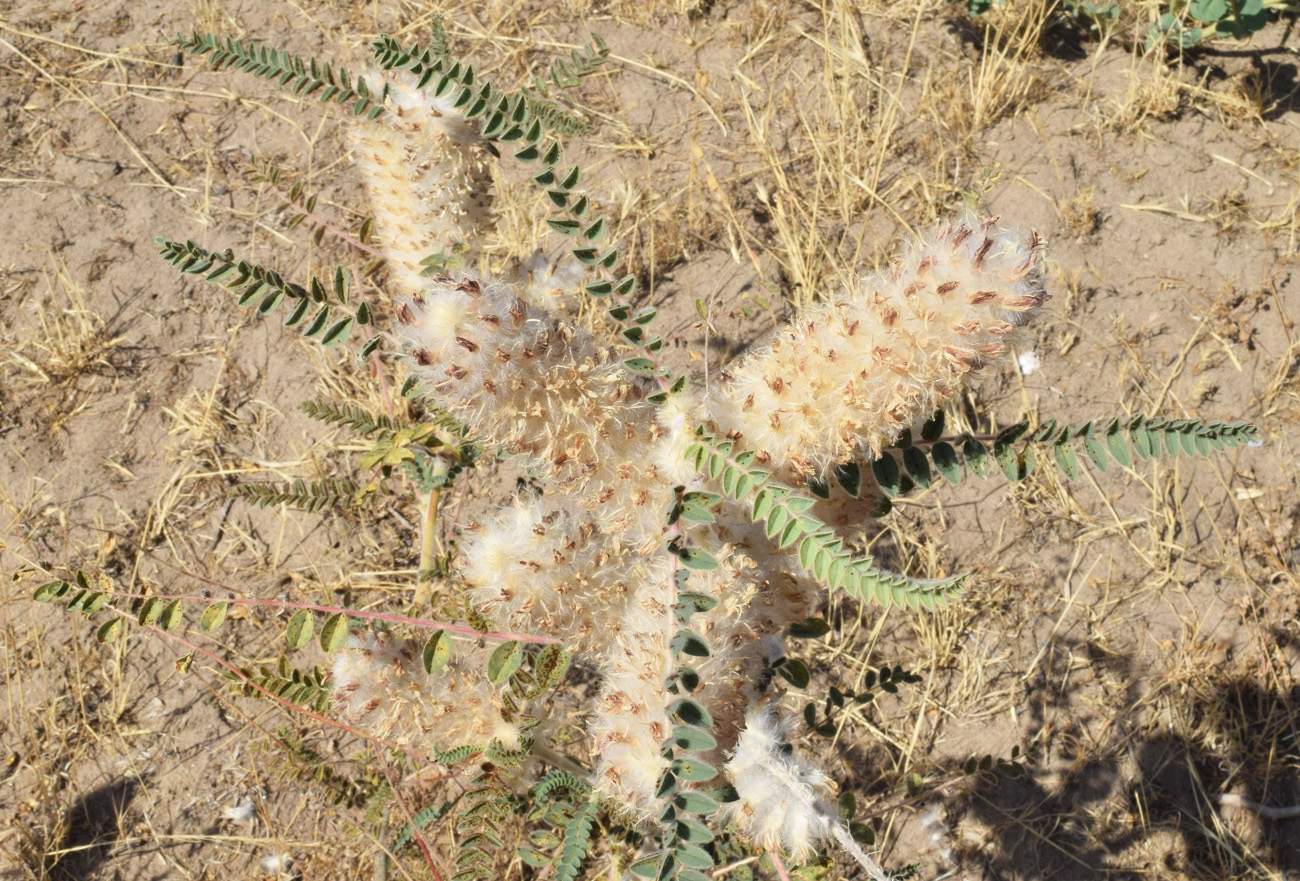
<point>379,682</point>
<point>782,797</point>
<point>533,384</point>
<point>850,373</point>
<point>584,563</point>
<point>426,175</point>
<point>551,284</point>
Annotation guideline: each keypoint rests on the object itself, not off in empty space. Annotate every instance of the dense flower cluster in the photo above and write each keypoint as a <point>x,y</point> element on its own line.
<point>583,562</point>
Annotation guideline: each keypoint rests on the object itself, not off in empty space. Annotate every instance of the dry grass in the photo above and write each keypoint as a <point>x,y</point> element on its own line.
<point>1133,630</point>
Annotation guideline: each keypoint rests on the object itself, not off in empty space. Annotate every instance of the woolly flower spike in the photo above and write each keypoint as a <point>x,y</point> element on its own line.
<point>531,383</point>
<point>553,284</point>
<point>631,720</point>
<point>781,796</point>
<point>427,176</point>
<point>542,567</point>
<point>584,562</point>
<point>851,373</point>
<point>379,682</point>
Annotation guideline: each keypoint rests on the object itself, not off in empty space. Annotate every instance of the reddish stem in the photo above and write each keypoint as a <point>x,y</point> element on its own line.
<point>301,208</point>
<point>780,866</point>
<point>243,677</point>
<point>376,616</point>
<point>415,829</point>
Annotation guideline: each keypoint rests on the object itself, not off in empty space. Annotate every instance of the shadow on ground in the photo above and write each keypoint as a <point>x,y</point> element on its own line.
<point>1221,783</point>
<point>93,824</point>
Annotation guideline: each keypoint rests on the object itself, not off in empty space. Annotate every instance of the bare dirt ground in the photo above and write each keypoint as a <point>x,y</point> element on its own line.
<point>1134,630</point>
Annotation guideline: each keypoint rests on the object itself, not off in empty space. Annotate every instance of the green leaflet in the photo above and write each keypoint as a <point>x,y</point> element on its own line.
<point>300,628</point>
<point>437,652</point>
<point>505,660</point>
<point>303,76</point>
<point>213,617</point>
<point>333,632</point>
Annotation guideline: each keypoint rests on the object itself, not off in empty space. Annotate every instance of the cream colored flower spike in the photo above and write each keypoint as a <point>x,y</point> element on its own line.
<point>850,373</point>
<point>427,176</point>
<point>380,683</point>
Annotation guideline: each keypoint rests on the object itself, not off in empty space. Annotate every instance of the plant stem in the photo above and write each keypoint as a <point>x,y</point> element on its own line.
<point>290,705</point>
<point>373,616</point>
<point>779,864</point>
<point>563,762</point>
<point>423,592</point>
<point>415,827</point>
<point>315,218</point>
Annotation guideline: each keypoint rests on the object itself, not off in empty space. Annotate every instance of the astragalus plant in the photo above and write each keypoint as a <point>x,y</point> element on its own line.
<point>681,531</point>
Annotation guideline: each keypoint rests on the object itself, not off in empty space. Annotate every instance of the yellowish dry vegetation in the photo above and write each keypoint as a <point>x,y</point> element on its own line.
<point>1134,631</point>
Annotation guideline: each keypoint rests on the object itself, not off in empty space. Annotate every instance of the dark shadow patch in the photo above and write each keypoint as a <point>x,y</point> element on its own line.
<point>93,823</point>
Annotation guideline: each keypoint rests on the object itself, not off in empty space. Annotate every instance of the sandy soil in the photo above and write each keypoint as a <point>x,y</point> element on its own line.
<point>1134,630</point>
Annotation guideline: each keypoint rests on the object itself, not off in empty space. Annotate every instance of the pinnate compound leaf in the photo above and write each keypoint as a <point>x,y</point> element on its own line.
<point>577,841</point>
